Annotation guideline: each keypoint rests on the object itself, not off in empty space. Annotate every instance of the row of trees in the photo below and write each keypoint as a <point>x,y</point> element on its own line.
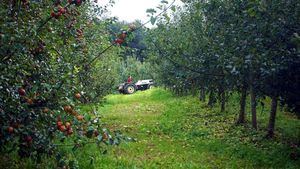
<point>221,46</point>
<point>48,68</point>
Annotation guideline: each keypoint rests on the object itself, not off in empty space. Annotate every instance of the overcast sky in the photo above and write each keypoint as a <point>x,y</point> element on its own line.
<point>131,10</point>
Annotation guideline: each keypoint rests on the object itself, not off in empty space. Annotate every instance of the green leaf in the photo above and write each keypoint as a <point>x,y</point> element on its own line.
<point>167,17</point>
<point>151,11</point>
<point>152,20</point>
<point>92,159</point>
<point>251,12</point>
<point>164,2</point>
<point>173,8</point>
<point>99,138</point>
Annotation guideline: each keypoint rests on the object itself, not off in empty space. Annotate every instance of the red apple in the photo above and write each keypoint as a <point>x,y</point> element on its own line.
<point>68,125</point>
<point>80,117</point>
<point>21,91</point>
<point>28,139</point>
<point>123,35</point>
<point>119,41</point>
<point>77,95</point>
<point>62,10</point>
<point>29,101</point>
<point>45,110</point>
<point>78,2</point>
<point>62,128</point>
<point>53,14</point>
<point>96,133</point>
<point>59,123</point>
<point>10,129</point>
<point>67,108</point>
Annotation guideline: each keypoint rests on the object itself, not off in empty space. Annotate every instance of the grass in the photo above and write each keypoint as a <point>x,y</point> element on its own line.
<point>180,132</point>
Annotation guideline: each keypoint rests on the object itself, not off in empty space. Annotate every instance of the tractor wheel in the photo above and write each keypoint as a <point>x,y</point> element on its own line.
<point>129,89</point>
<point>150,86</point>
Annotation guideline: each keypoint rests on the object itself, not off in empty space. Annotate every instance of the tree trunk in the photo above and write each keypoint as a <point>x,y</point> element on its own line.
<point>271,125</point>
<point>212,99</point>
<point>194,92</point>
<point>242,115</point>
<point>202,94</point>
<point>194,88</point>
<point>222,98</point>
<point>253,106</point>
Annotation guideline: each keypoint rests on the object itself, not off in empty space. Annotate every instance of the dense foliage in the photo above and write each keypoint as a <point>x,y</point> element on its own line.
<point>220,47</point>
<point>47,70</point>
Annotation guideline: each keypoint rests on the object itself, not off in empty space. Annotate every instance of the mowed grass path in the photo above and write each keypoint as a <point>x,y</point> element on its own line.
<point>138,116</point>
<point>181,132</point>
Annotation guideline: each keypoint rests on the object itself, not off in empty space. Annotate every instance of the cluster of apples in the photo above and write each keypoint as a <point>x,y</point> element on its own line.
<point>28,139</point>
<point>66,128</point>
<point>67,108</point>
<point>121,38</point>
<point>74,113</point>
<point>79,33</point>
<point>12,128</point>
<point>59,10</point>
<point>22,93</point>
<point>104,135</point>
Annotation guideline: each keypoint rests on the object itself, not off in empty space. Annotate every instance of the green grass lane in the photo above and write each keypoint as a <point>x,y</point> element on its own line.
<point>180,132</point>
